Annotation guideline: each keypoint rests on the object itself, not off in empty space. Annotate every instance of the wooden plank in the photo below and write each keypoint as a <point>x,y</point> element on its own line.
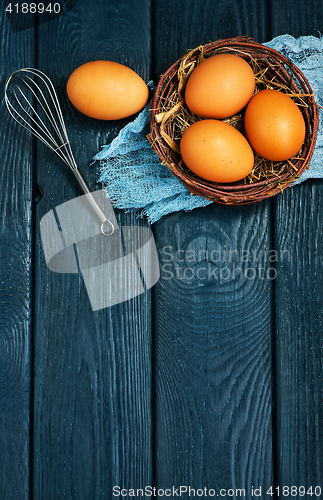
<point>213,350</point>
<point>295,18</point>
<point>93,423</point>
<point>179,26</point>
<point>213,336</point>
<point>298,304</point>
<point>16,231</point>
<point>298,331</point>
<point>299,326</point>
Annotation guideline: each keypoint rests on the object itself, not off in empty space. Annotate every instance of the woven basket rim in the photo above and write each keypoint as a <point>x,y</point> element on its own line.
<point>239,192</point>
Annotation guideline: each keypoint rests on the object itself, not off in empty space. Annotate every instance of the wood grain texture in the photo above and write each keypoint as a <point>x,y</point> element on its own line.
<point>298,302</point>
<point>16,230</point>
<point>182,25</point>
<point>299,316</point>
<point>213,349</point>
<point>296,18</point>
<point>93,423</point>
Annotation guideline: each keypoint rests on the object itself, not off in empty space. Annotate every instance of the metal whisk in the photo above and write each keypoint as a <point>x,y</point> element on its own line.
<point>32,101</point>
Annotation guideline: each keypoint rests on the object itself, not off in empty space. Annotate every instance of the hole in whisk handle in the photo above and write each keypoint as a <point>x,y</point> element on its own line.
<point>107,228</point>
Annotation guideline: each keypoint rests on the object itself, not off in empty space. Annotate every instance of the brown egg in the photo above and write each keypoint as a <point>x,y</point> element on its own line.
<point>220,86</point>
<point>106,90</point>
<point>216,151</point>
<point>274,125</point>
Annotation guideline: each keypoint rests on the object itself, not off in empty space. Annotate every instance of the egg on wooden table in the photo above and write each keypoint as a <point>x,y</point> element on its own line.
<point>220,86</point>
<point>274,125</point>
<point>106,90</point>
<point>216,151</point>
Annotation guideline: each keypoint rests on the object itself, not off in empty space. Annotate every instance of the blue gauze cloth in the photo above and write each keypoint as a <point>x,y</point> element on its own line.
<point>133,176</point>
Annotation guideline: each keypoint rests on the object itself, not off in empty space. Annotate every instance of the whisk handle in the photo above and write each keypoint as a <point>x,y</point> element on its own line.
<point>107,228</point>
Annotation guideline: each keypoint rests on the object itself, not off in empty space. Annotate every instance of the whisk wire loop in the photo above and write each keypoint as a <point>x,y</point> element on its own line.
<point>30,119</point>
<point>14,113</point>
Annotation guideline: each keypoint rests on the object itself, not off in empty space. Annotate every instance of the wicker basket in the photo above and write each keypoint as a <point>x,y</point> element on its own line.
<point>277,72</point>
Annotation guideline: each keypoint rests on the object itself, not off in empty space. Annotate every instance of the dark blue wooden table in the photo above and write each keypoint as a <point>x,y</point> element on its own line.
<point>201,384</point>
